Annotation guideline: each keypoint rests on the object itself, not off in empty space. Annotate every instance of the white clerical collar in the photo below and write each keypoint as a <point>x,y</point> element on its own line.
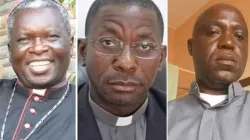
<point>40,92</point>
<point>114,120</point>
<point>213,99</point>
<point>124,121</point>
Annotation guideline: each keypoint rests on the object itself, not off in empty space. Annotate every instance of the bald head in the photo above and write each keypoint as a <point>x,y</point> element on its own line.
<point>209,13</point>
<point>219,47</point>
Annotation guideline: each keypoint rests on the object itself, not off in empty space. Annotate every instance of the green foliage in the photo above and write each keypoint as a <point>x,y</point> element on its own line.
<point>61,1</point>
<point>72,4</point>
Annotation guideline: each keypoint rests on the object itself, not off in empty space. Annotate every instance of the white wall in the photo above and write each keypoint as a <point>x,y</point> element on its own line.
<point>83,6</point>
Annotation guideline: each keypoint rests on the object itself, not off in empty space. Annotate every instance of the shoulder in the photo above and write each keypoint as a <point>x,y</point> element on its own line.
<point>82,93</point>
<point>183,107</point>
<point>159,96</point>
<point>184,101</point>
<point>7,83</point>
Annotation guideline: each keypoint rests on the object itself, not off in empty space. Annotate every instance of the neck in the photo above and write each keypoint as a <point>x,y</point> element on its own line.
<point>115,109</point>
<point>58,85</point>
<point>212,88</point>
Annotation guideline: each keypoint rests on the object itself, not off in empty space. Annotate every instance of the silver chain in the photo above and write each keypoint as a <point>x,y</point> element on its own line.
<point>7,112</point>
<point>41,120</point>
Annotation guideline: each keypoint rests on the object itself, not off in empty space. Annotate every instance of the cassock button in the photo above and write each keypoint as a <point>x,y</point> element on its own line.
<point>36,98</point>
<point>32,111</point>
<point>27,125</point>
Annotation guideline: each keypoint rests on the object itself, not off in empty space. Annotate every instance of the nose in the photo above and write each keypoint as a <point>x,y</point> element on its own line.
<point>38,47</point>
<point>227,41</point>
<point>126,61</point>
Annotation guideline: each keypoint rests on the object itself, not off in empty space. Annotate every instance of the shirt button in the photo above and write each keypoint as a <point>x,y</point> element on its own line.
<point>32,111</point>
<point>36,98</point>
<point>27,125</point>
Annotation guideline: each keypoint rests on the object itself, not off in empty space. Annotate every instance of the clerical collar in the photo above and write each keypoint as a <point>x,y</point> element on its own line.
<point>114,120</point>
<point>54,92</point>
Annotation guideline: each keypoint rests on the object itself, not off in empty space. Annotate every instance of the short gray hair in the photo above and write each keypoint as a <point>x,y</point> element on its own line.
<point>26,4</point>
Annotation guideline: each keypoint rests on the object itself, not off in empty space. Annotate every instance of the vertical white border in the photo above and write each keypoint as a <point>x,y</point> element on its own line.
<point>76,70</point>
<point>166,30</point>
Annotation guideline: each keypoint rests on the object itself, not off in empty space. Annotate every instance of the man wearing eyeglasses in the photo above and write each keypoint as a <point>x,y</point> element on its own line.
<point>123,54</point>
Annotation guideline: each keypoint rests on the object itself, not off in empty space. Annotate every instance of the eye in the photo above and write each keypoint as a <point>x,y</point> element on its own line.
<point>239,36</point>
<point>213,32</point>
<point>53,37</point>
<point>108,42</point>
<point>24,40</point>
<point>145,46</point>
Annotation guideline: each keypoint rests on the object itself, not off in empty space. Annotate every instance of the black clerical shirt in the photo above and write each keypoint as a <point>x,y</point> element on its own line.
<point>27,108</point>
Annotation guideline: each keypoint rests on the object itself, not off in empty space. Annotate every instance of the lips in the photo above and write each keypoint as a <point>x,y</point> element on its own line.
<point>124,85</point>
<point>226,59</point>
<point>39,66</point>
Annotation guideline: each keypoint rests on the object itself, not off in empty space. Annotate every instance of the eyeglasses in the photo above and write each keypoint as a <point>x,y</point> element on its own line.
<point>141,49</point>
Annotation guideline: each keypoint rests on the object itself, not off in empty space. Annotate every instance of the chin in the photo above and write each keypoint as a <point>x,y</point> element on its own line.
<point>120,99</point>
<point>226,78</point>
<point>40,83</point>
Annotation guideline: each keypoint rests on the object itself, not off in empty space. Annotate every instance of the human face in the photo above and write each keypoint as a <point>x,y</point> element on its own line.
<point>40,47</point>
<point>220,46</point>
<point>123,79</point>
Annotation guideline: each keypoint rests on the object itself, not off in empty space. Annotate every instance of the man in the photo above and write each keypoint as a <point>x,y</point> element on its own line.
<point>123,55</point>
<point>217,107</point>
<point>39,104</point>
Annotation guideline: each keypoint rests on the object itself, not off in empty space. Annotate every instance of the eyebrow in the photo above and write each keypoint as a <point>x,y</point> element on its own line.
<point>146,35</point>
<point>221,22</point>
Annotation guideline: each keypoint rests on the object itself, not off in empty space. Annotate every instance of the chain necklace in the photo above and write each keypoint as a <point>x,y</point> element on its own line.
<point>41,120</point>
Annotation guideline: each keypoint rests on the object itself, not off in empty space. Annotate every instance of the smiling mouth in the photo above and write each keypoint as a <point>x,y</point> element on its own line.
<point>39,67</point>
<point>39,63</point>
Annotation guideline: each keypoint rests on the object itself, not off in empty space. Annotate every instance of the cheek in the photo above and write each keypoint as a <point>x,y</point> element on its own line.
<point>62,54</point>
<point>97,65</point>
<point>243,55</point>
<point>17,56</point>
<point>149,69</point>
<point>204,50</point>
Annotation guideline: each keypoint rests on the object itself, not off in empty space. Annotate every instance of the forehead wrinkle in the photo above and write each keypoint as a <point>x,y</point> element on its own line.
<point>106,27</point>
<point>109,16</point>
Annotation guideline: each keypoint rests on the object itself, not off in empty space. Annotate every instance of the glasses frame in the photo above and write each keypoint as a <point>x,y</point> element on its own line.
<point>131,48</point>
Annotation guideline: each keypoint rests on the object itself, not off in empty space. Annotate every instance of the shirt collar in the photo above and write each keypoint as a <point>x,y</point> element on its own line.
<point>114,120</point>
<point>234,90</point>
<point>54,92</point>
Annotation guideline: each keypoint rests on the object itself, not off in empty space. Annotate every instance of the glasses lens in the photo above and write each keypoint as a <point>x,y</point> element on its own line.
<point>108,46</point>
<point>146,50</point>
